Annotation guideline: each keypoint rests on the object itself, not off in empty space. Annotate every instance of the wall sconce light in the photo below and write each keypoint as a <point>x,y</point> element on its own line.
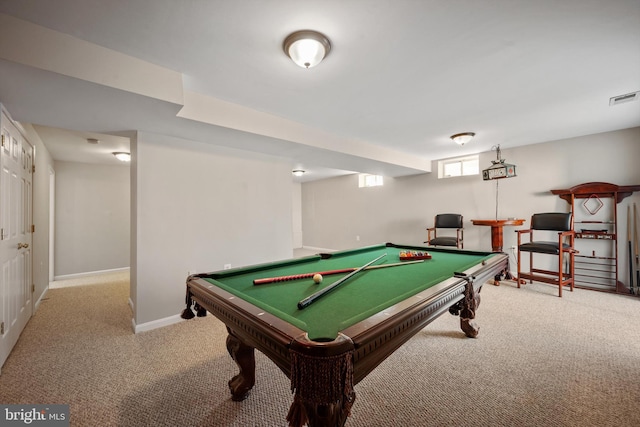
<point>122,156</point>
<point>298,172</point>
<point>462,138</point>
<point>306,48</point>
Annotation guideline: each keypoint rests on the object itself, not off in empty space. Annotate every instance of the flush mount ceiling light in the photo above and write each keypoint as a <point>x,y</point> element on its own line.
<point>298,172</point>
<point>306,48</point>
<point>122,156</point>
<point>462,138</point>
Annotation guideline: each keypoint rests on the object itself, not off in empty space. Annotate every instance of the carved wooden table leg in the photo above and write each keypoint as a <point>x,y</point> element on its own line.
<point>470,304</point>
<point>244,356</point>
<point>322,383</point>
<point>332,415</point>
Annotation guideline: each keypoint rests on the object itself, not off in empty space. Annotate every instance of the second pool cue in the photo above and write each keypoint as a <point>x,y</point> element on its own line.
<point>636,244</point>
<point>631,287</point>
<point>267,280</point>
<point>313,297</point>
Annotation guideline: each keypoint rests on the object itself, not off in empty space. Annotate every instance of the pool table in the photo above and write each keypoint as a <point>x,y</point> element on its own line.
<point>330,345</point>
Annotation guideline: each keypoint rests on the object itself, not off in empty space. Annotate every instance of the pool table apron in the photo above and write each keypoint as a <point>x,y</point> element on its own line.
<point>346,360</point>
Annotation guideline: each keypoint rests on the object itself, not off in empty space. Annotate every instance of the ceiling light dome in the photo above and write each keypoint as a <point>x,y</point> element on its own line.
<point>462,138</point>
<point>122,156</point>
<point>306,48</point>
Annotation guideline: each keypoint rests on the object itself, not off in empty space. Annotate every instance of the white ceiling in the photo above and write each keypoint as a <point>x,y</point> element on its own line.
<point>402,75</point>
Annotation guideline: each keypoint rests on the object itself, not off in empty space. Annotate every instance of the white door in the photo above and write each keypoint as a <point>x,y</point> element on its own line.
<point>15,235</point>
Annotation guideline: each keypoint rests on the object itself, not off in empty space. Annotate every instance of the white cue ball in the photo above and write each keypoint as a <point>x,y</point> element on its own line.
<point>317,278</point>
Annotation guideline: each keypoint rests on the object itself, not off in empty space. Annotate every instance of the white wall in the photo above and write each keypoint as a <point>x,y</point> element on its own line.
<point>335,211</point>
<point>199,207</point>
<point>297,214</point>
<point>92,218</point>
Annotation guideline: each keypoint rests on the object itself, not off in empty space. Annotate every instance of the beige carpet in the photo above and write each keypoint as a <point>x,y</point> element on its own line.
<point>539,360</point>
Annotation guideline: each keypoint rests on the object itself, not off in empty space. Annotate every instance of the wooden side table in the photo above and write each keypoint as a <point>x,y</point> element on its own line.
<point>496,229</point>
<point>497,226</point>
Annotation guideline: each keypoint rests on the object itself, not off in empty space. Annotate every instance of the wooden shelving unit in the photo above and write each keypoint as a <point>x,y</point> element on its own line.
<point>595,213</point>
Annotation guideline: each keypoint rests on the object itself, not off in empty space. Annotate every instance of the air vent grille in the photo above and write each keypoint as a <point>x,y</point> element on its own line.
<point>621,99</point>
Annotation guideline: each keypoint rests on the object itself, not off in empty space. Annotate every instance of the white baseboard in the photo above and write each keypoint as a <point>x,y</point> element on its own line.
<point>155,324</point>
<point>318,250</point>
<point>90,273</point>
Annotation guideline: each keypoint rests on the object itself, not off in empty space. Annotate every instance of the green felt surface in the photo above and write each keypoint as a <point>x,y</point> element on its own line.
<point>365,294</point>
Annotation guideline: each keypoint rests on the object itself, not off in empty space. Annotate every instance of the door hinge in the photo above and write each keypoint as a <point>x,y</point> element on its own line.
<point>33,168</point>
<point>33,228</point>
<point>33,288</point>
<point>1,233</point>
<point>3,140</point>
<point>2,328</point>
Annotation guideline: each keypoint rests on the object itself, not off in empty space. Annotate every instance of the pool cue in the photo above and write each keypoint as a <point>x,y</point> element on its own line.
<point>314,297</point>
<point>267,280</point>
<point>635,239</point>
<point>631,287</point>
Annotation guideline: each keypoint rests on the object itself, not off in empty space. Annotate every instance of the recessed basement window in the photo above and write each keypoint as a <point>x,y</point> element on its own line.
<point>366,180</point>
<point>461,166</point>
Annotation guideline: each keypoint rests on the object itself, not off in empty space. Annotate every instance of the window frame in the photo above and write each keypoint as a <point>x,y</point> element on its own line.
<point>364,180</point>
<point>474,159</point>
